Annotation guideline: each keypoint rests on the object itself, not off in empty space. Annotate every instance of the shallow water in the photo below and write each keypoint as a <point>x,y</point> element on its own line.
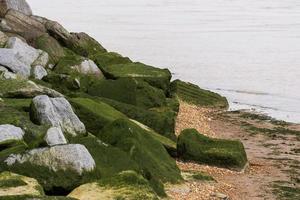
<point>247,50</point>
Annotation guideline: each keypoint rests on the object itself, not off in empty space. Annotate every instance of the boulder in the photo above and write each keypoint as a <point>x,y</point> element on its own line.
<point>125,185</point>
<point>19,5</point>
<point>18,186</point>
<point>26,54</point>
<point>58,166</point>
<point>56,112</point>
<point>42,60</point>
<point>148,152</point>
<point>48,44</point>
<point>195,95</point>
<point>55,136</point>
<point>3,39</point>
<point>193,146</point>
<point>159,78</point>
<point>21,88</point>
<point>10,133</point>
<point>38,72</point>
<point>88,67</point>
<point>10,59</point>
<point>58,32</point>
<point>23,25</point>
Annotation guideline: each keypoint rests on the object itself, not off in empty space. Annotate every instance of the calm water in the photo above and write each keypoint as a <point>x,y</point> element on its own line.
<point>247,50</point>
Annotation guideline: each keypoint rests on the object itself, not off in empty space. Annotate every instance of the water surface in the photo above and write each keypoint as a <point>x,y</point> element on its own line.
<point>247,50</point>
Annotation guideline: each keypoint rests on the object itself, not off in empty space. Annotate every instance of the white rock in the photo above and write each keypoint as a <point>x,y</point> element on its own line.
<point>10,132</point>
<point>55,136</point>
<point>88,67</point>
<point>73,157</point>
<point>38,72</point>
<point>11,60</point>
<point>27,54</point>
<point>56,112</point>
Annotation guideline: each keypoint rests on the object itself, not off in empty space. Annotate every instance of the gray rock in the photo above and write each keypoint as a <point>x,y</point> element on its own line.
<point>10,59</point>
<point>55,136</point>
<point>19,5</point>
<point>6,75</point>
<point>24,25</point>
<point>26,53</point>
<point>88,67</point>
<point>56,112</point>
<point>58,31</point>
<point>3,39</point>
<point>9,132</point>
<point>73,157</point>
<point>42,60</point>
<point>38,72</point>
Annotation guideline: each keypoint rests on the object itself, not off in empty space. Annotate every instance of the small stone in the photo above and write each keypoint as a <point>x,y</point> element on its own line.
<point>39,72</point>
<point>9,132</point>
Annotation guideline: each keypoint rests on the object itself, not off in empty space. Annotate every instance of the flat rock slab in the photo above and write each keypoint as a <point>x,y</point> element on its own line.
<point>19,5</point>
<point>55,136</point>
<point>56,112</point>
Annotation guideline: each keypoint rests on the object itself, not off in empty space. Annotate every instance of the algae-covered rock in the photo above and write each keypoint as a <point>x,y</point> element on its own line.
<point>19,5</point>
<point>156,77</point>
<point>56,112</point>
<point>193,146</point>
<point>130,91</point>
<point>21,88</point>
<point>162,122</point>
<point>150,154</point>
<point>18,186</point>
<point>94,114</point>
<point>48,44</point>
<point>126,185</point>
<point>195,95</point>
<point>109,58</point>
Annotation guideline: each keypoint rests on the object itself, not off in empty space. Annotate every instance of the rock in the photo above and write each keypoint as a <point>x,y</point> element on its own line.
<point>19,5</point>
<point>220,196</point>
<point>88,67</point>
<point>21,24</point>
<point>14,185</point>
<point>125,185</point>
<point>85,45</point>
<point>56,112</point>
<point>38,72</point>
<point>193,94</point>
<point>26,54</point>
<point>55,136</point>
<point>193,146</point>
<point>58,32</point>
<point>48,44</point>
<point>22,88</point>
<point>70,157</point>
<point>9,132</point>
<point>10,59</point>
<point>42,60</point>
<point>3,39</point>
<point>6,75</point>
<point>148,152</point>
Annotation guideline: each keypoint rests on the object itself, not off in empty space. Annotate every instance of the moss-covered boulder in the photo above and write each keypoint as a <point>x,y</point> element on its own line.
<point>94,114</point>
<point>156,77</point>
<point>14,185</point>
<point>103,59</point>
<point>193,146</point>
<point>50,45</point>
<point>195,95</point>
<point>126,185</point>
<point>150,154</point>
<point>130,91</point>
<point>161,122</point>
<point>16,112</point>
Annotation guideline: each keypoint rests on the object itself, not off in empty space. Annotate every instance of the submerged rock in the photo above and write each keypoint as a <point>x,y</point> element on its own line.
<point>56,112</point>
<point>71,157</point>
<point>19,5</point>
<point>9,132</point>
<point>55,136</point>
